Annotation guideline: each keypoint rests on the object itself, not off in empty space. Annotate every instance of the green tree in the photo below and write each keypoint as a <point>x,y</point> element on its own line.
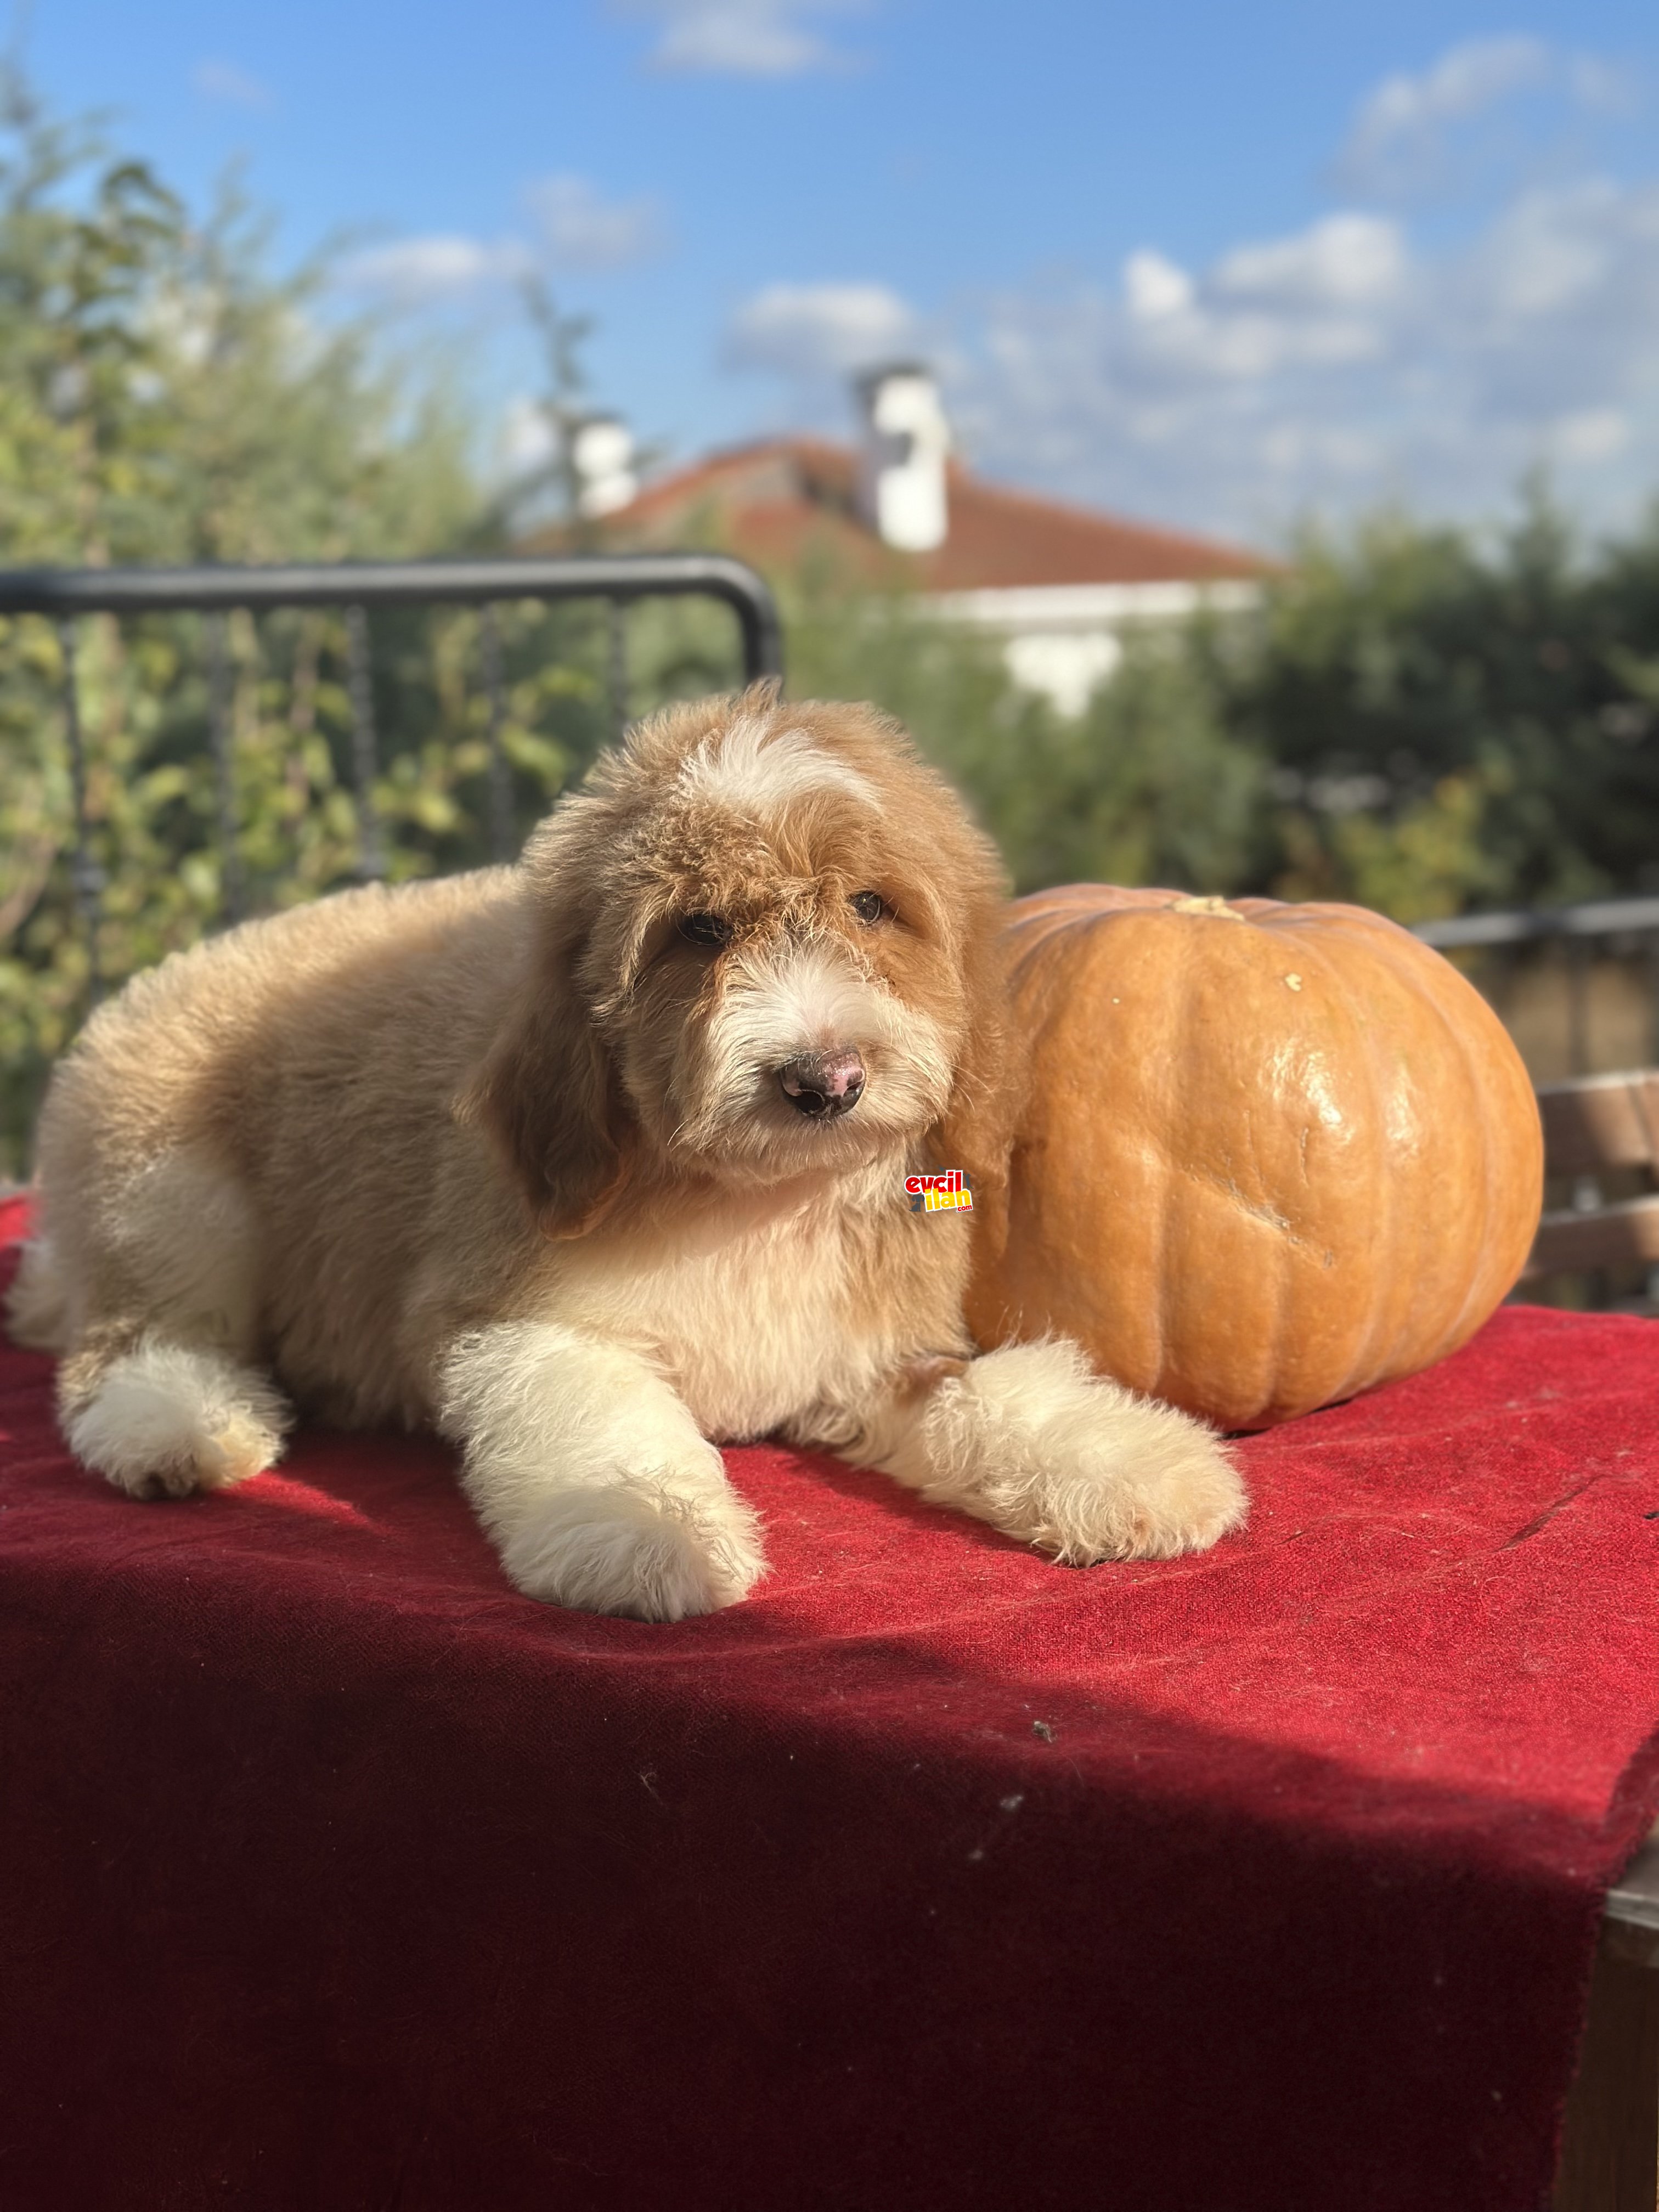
<point>164,398</point>
<point>1148,784</point>
<point>1452,722</point>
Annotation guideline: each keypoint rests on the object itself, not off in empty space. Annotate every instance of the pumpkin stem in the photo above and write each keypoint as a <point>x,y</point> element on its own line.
<point>1219,906</point>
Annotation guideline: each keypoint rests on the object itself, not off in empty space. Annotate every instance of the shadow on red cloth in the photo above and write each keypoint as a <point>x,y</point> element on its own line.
<point>338,1874</point>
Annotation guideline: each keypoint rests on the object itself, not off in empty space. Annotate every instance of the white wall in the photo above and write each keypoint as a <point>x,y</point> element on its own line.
<point>1063,639</point>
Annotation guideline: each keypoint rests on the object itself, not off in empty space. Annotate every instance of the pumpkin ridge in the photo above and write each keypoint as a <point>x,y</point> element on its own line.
<point>1467,1060</point>
<point>1477,1273</point>
<point>1160,1325</point>
<point>1363,1363</point>
<point>1425,980</point>
<point>1284,1290</point>
<point>1342,993</point>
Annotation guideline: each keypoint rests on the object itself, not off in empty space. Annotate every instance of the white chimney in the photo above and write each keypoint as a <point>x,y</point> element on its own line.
<point>902,492</point>
<point>602,454</point>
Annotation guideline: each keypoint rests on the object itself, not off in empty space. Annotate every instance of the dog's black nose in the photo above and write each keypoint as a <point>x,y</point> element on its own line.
<point>823,1082</point>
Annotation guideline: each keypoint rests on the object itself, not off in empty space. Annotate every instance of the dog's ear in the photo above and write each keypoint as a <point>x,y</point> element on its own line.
<point>548,1097</point>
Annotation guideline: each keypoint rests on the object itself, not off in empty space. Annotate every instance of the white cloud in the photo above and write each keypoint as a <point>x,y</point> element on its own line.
<point>1551,251</point>
<point>1594,434</point>
<point>1407,133</point>
<point>812,332</point>
<point>741,38</point>
<point>575,227</point>
<point>1323,294</point>
<point>527,438</point>
<point>1327,369</point>
<point>1342,261</point>
<point>1338,365</point>
<point>222,81</point>
<point>1154,286</point>
<point>1466,78</point>
<point>444,266</point>
<point>579,228</point>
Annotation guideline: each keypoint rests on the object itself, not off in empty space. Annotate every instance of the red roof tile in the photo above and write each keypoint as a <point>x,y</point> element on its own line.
<point>792,501</point>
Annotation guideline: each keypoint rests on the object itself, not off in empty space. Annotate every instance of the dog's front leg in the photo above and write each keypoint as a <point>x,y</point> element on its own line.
<point>590,1476</point>
<point>1030,1440</point>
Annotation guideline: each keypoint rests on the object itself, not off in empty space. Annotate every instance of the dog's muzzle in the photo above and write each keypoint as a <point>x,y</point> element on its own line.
<point>822,1084</point>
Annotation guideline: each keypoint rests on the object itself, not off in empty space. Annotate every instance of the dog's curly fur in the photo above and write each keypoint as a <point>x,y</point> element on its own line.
<point>510,1154</point>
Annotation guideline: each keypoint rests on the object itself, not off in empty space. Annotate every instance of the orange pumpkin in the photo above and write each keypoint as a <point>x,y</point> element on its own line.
<point>1271,1155</point>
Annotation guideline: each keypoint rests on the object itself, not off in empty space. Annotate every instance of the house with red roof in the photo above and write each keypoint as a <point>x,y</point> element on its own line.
<point>1059,586</point>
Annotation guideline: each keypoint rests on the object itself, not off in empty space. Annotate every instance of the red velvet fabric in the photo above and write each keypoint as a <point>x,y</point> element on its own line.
<point>335,1874</point>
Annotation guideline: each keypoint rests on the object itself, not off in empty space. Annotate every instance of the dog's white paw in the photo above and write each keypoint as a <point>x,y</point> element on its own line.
<point>1076,1465</point>
<point>167,1419</point>
<point>632,1548</point>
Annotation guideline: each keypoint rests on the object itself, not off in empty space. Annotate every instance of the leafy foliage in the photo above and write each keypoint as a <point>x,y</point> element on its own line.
<point>1109,795</point>
<point>1451,724</point>
<point>164,400</point>
<point>1412,719</point>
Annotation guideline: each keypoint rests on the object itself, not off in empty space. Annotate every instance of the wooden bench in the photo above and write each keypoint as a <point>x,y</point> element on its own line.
<point>1610,2144</point>
<point>1597,1128</point>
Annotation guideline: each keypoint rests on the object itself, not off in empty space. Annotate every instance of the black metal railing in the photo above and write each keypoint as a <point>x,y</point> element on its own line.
<point>65,596</point>
<point>1597,1244</point>
<point>1624,930</point>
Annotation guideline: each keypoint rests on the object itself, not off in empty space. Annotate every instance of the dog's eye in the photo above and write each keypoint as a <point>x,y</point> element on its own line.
<point>704,928</point>
<point>869,906</point>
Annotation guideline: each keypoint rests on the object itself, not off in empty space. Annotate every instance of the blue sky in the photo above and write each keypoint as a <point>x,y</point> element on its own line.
<point>1214,264</point>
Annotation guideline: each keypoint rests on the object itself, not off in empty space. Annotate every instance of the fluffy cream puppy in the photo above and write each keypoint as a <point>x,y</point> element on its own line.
<point>592,1162</point>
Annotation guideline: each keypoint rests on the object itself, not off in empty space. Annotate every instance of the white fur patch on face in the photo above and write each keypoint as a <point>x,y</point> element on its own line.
<point>806,998</point>
<point>749,769</point>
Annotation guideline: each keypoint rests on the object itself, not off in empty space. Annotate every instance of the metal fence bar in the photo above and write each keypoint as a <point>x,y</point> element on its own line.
<point>219,722</point>
<point>62,596</point>
<point>84,870</point>
<point>365,762</point>
<point>501,768</point>
<point>617,640</point>
<point>622,577</point>
<point>1598,1242</point>
<point>1529,925</point>
<point>1575,929</point>
<point>1578,952</point>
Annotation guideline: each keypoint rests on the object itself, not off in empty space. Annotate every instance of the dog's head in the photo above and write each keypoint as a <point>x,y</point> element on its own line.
<point>765,945</point>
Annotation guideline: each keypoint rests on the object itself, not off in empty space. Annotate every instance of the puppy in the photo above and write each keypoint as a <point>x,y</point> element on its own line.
<point>592,1162</point>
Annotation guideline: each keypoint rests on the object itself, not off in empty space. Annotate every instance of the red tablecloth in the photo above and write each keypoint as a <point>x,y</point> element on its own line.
<point>335,1874</point>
